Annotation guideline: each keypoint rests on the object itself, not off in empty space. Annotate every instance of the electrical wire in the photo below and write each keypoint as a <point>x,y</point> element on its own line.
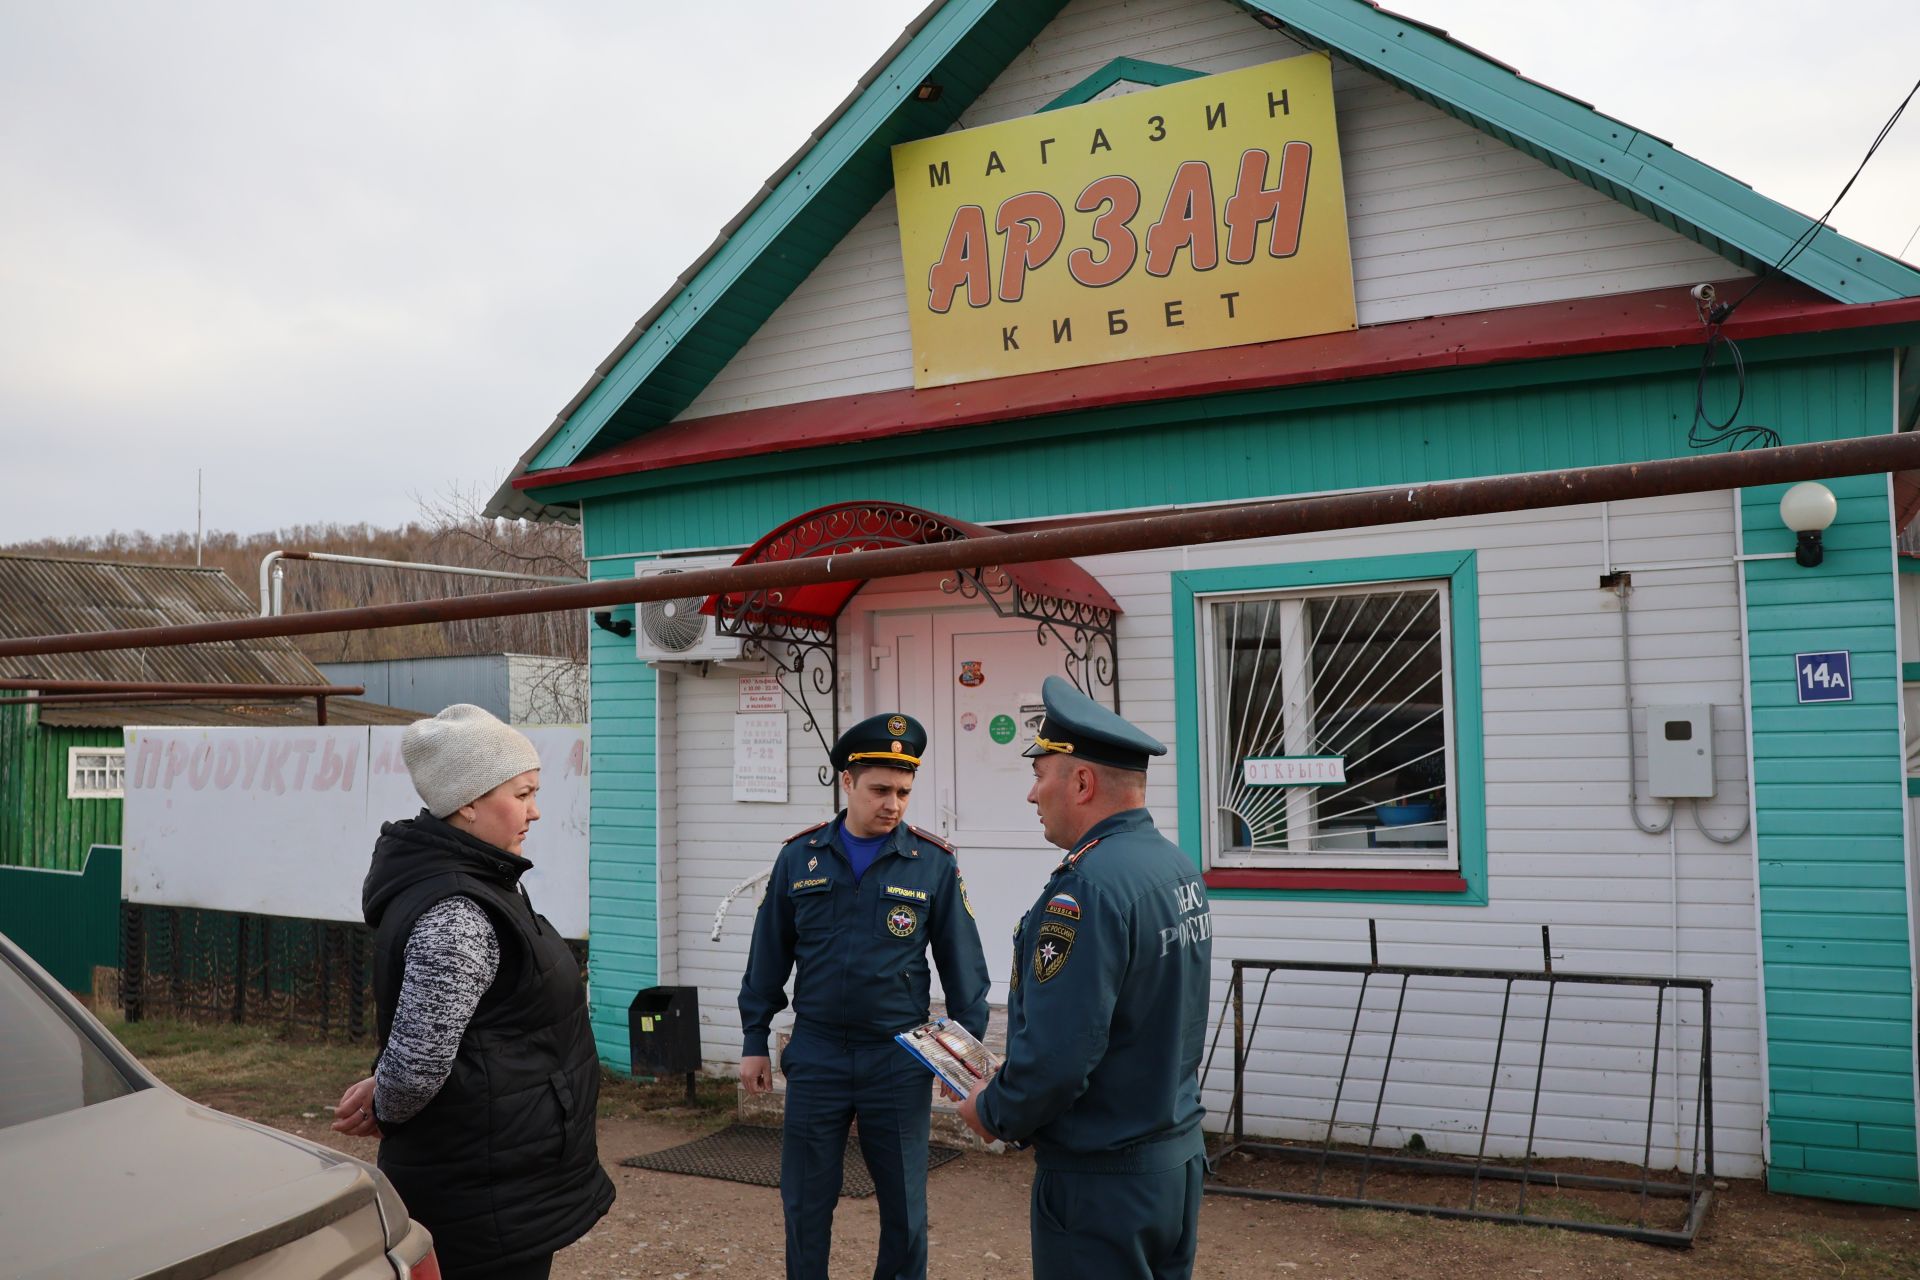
<point>1626,672</point>
<point>1807,237</point>
<point>1717,839</point>
<point>1705,432</point>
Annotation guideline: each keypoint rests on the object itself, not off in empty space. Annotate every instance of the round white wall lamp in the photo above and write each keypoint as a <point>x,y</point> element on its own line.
<point>1807,509</point>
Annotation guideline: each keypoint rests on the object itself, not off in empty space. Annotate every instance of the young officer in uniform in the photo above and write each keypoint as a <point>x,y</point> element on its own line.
<point>1107,1014</point>
<point>856,902</point>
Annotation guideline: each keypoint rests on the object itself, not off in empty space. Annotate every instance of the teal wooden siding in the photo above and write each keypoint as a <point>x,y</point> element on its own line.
<point>622,884</point>
<point>39,826</point>
<point>1835,944</point>
<point>1830,799</point>
<point>68,921</point>
<point>1400,430</point>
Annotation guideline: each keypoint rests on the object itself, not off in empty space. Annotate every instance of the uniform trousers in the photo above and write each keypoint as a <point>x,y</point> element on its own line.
<point>1117,1226</point>
<point>831,1082</point>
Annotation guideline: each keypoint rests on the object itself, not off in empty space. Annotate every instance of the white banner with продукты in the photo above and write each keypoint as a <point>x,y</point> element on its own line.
<point>281,821</point>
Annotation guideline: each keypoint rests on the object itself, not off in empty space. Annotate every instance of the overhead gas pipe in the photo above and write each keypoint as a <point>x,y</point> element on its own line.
<point>1289,516</point>
<point>273,573</point>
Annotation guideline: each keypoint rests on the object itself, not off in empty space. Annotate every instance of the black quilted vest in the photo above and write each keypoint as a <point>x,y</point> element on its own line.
<point>502,1163</point>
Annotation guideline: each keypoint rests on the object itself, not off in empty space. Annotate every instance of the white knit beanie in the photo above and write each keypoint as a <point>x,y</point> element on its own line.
<point>461,754</point>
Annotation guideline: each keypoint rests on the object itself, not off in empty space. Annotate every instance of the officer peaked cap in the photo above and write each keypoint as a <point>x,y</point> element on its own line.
<point>892,740</point>
<point>1081,728</point>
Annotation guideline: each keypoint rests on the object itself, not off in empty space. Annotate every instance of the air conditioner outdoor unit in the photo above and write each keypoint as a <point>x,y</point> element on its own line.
<point>674,629</point>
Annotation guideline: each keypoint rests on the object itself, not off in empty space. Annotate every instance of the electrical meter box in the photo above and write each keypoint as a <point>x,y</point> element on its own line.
<point>1680,752</point>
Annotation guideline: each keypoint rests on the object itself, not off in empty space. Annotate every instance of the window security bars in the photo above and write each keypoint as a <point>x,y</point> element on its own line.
<point>1330,735</point>
<point>1625,1212</point>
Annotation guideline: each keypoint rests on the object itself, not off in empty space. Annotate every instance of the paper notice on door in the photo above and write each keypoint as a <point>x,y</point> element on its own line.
<point>759,693</point>
<point>1033,713</point>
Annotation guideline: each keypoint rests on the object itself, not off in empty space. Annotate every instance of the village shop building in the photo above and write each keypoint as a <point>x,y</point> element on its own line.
<point>1191,252</point>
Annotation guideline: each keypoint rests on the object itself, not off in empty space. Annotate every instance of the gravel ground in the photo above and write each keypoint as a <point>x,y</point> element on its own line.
<point>671,1227</point>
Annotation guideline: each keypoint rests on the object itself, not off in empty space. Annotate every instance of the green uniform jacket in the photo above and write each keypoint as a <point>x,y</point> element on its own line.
<point>1107,1015</point>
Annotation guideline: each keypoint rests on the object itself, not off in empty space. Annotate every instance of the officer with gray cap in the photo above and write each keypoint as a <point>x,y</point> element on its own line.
<point>1106,1016</point>
<point>855,903</point>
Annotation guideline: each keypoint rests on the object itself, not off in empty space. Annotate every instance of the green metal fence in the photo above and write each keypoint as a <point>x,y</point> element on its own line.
<point>66,920</point>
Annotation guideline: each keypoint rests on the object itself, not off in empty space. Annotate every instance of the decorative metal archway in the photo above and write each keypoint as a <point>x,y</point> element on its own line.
<point>797,628</point>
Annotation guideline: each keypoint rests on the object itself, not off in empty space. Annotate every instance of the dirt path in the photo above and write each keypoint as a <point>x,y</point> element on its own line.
<point>671,1227</point>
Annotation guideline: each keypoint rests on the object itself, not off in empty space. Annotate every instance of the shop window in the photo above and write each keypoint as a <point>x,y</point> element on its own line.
<point>96,773</point>
<point>1334,713</point>
<point>1328,733</point>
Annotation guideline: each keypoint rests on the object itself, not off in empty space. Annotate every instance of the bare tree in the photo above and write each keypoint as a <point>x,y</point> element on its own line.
<point>451,530</point>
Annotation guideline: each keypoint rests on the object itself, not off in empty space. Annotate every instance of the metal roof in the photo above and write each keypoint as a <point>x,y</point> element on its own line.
<point>49,595</point>
<point>802,211</point>
<point>340,711</point>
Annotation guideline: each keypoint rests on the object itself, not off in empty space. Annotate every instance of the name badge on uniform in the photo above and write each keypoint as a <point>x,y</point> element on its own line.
<point>818,884</point>
<point>905,894</point>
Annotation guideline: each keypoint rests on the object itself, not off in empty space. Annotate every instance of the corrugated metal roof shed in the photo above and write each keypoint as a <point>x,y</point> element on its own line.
<point>45,595</point>
<point>50,595</point>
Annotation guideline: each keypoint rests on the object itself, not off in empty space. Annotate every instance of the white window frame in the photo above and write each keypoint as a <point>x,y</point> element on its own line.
<point>1447,859</point>
<point>91,761</point>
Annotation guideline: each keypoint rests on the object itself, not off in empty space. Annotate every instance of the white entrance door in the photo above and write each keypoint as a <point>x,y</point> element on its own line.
<point>973,679</point>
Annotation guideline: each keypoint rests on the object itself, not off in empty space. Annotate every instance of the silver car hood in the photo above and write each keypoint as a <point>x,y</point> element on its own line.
<point>150,1184</point>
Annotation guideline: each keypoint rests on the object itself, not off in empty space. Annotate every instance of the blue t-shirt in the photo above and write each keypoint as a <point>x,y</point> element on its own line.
<point>861,852</point>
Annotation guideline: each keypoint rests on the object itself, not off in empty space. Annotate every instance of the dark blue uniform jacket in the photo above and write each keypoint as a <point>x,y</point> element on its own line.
<point>862,948</point>
<point>1107,1015</point>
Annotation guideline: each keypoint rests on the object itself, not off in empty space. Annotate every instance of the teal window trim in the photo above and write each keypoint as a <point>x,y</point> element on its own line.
<point>1129,70</point>
<point>1470,798</point>
<point>1910,673</point>
<point>1907,563</point>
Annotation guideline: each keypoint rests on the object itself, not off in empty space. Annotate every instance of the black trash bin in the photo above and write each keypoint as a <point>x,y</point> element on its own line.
<point>663,1033</point>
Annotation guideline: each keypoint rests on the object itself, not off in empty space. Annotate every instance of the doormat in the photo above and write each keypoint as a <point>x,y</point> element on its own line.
<point>751,1154</point>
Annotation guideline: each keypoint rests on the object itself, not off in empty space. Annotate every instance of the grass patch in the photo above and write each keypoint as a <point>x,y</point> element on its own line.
<point>1569,1209</point>
<point>252,1071</point>
<point>1841,1256</point>
<point>260,1073</point>
<point>623,1097</point>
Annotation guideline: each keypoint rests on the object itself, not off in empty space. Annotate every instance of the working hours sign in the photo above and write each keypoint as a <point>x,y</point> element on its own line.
<point>1204,214</point>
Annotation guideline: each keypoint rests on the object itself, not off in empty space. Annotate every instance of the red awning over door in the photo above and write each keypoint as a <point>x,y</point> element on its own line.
<point>868,526</point>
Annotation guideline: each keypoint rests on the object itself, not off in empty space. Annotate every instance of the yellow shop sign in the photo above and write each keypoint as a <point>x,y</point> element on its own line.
<point>1208,213</point>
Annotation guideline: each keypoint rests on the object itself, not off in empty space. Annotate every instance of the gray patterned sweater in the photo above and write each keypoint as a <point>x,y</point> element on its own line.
<point>452,956</point>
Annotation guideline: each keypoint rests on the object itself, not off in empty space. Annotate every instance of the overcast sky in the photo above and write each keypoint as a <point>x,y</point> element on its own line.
<point>344,255</point>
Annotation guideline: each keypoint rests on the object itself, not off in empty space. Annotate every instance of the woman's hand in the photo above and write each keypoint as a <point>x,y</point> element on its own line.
<point>354,1115</point>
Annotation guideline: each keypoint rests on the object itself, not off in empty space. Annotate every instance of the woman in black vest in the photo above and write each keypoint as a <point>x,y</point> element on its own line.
<point>484,1093</point>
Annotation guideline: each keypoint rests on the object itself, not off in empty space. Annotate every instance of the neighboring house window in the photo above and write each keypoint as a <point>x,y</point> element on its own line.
<point>1328,727</point>
<point>96,773</point>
